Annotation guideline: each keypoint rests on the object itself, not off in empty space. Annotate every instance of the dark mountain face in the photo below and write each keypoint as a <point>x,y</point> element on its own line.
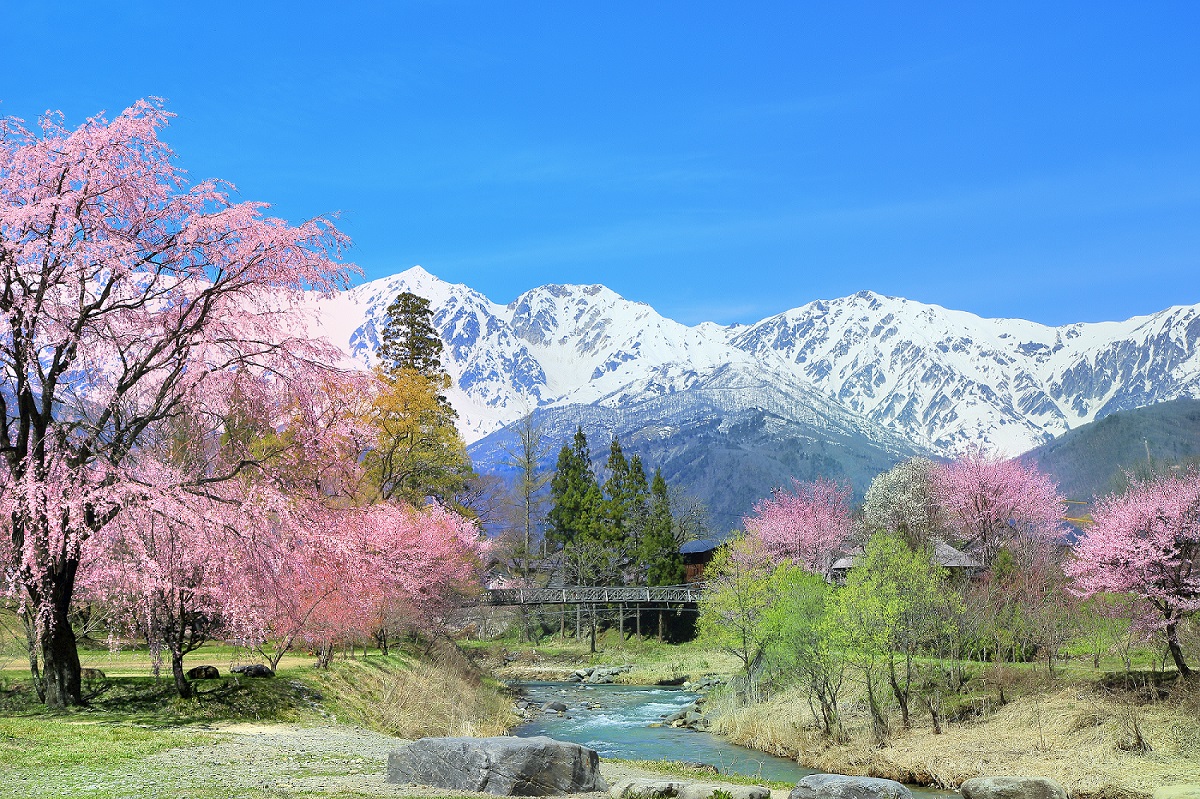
<point>1093,460</point>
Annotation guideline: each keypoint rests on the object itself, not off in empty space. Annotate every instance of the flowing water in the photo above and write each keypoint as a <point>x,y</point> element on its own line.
<point>620,728</point>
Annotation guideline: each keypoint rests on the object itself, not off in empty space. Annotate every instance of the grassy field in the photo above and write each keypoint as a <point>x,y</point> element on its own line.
<point>305,732</point>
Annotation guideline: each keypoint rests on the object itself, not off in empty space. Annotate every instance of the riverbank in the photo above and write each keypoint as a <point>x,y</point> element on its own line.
<point>1097,744</point>
<point>242,759</point>
<point>1100,743</point>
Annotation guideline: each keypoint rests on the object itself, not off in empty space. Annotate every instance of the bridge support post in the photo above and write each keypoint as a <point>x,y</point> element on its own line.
<point>562,622</point>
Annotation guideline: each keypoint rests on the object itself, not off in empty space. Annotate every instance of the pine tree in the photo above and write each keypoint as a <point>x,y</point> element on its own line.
<point>574,495</point>
<point>660,550</point>
<point>409,340</point>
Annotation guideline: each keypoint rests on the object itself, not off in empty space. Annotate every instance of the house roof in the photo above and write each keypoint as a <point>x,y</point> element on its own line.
<point>943,554</point>
<point>951,558</point>
<point>699,546</point>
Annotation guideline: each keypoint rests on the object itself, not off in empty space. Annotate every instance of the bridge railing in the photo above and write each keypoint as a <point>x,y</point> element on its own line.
<point>593,595</point>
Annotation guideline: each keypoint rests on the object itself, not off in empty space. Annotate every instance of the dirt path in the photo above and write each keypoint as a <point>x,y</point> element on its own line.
<point>282,760</point>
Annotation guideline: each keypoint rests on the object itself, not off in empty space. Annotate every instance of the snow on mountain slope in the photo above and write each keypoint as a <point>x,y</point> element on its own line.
<point>950,379</point>
<point>939,379</point>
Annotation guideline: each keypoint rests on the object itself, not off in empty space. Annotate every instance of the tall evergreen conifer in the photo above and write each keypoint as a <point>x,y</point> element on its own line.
<point>660,550</point>
<point>576,502</point>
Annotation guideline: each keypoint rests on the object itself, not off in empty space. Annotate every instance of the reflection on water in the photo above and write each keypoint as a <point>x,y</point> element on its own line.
<point>615,721</point>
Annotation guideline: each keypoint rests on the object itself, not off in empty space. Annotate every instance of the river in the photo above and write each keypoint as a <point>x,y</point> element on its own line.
<point>619,727</point>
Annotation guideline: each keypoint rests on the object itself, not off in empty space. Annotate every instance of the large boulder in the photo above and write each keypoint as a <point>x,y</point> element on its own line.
<point>837,786</point>
<point>253,670</point>
<point>1011,788</point>
<point>203,673</point>
<point>502,766</point>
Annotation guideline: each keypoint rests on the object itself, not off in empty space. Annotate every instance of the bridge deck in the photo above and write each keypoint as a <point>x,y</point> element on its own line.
<point>593,595</point>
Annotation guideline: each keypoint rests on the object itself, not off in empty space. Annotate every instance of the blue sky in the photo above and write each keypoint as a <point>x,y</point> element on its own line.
<point>720,161</point>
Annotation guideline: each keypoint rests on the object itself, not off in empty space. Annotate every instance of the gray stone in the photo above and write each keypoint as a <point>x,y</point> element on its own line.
<point>703,790</point>
<point>837,786</point>
<point>253,670</point>
<point>1011,788</point>
<point>1177,792</point>
<point>502,766</point>
<point>642,788</point>
<point>555,707</point>
<point>203,673</point>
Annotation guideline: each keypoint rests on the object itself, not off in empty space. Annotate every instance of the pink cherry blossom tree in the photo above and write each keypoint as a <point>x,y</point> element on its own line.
<point>988,502</point>
<point>175,573</point>
<point>126,294</point>
<point>335,579</point>
<point>805,525</point>
<point>1146,543</point>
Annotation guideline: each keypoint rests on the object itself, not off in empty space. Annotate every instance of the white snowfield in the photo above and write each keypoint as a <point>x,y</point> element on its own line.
<point>889,367</point>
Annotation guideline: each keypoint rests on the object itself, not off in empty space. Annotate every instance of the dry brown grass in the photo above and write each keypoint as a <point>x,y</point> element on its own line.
<point>414,699</point>
<point>1083,737</point>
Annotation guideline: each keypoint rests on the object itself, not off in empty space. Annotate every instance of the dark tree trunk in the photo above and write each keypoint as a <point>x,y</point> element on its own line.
<point>60,655</point>
<point>933,716</point>
<point>181,684</point>
<point>60,666</point>
<point>28,621</point>
<point>901,694</point>
<point>1176,652</point>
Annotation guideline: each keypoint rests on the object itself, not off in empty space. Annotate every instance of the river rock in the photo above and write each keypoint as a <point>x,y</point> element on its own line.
<point>554,707</point>
<point>1011,788</point>
<point>837,786</point>
<point>643,788</point>
<point>203,673</point>
<point>501,766</point>
<point>704,790</point>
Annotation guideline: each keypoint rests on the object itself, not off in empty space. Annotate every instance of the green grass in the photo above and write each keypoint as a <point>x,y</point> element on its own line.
<point>45,743</point>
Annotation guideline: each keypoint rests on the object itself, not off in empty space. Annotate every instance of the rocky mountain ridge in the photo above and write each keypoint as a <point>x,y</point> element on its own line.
<point>900,374</point>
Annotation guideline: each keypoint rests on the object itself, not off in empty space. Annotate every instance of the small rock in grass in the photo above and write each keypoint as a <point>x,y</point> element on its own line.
<point>701,790</point>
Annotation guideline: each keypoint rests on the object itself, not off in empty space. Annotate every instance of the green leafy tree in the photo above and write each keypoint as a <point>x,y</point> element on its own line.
<point>895,606</point>
<point>804,642</point>
<point>737,601</point>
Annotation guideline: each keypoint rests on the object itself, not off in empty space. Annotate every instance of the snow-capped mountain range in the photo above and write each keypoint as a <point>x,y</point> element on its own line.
<point>905,375</point>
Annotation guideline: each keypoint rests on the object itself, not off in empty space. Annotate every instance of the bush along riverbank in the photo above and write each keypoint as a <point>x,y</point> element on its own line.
<point>1096,741</point>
